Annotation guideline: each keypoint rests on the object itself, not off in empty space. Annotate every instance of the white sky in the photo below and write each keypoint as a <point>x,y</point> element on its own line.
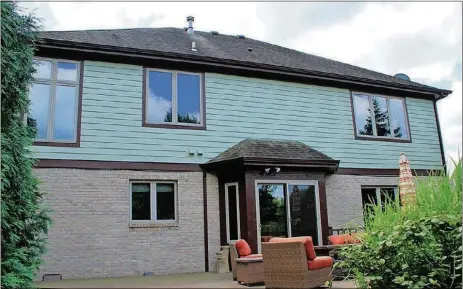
<point>423,40</point>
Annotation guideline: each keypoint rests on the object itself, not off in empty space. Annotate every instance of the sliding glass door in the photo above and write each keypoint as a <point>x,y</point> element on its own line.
<point>273,218</point>
<point>287,209</point>
<point>303,211</point>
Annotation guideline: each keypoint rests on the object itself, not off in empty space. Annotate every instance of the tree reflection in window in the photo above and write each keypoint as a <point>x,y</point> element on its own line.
<point>184,119</point>
<point>366,106</point>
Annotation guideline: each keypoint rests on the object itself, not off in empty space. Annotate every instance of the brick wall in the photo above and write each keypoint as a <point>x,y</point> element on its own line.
<point>344,197</point>
<point>91,237</point>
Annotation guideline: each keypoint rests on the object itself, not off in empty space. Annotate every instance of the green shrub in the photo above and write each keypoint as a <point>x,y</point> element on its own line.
<point>24,221</point>
<point>413,247</point>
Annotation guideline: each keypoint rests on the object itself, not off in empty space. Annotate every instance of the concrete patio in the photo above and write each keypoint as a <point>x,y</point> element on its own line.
<point>196,280</point>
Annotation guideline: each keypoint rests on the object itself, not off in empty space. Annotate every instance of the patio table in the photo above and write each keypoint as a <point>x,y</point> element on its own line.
<point>250,271</point>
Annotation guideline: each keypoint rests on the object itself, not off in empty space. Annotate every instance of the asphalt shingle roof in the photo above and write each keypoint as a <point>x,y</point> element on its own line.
<point>177,42</point>
<point>271,149</point>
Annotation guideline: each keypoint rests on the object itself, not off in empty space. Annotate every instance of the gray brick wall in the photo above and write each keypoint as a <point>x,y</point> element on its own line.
<point>344,197</point>
<point>91,237</point>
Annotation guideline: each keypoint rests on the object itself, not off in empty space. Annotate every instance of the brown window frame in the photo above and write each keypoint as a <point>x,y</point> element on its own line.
<point>201,126</point>
<point>76,143</point>
<point>381,138</point>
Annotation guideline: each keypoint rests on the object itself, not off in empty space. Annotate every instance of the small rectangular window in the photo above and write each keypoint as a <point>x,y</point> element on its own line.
<point>54,97</point>
<point>377,195</point>
<point>153,202</point>
<point>380,117</point>
<point>173,98</point>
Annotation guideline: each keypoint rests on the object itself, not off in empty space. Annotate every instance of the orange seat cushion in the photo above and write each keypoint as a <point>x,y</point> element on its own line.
<point>320,262</point>
<point>253,256</point>
<point>353,239</point>
<point>338,239</point>
<point>242,248</point>
<point>308,243</point>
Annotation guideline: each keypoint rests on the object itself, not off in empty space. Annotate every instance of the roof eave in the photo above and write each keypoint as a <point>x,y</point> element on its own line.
<point>139,53</point>
<point>443,94</point>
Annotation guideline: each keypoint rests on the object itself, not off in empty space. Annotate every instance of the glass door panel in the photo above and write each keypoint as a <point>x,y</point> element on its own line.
<point>303,211</point>
<point>273,217</point>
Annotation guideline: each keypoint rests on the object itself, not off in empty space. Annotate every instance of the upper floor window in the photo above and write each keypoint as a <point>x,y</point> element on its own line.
<point>380,117</point>
<point>173,99</point>
<point>54,97</point>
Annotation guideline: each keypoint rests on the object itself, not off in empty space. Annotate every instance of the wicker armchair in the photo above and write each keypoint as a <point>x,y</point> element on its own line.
<point>234,254</point>
<point>286,266</point>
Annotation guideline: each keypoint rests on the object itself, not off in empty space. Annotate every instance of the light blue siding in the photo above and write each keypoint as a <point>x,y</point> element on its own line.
<point>236,108</point>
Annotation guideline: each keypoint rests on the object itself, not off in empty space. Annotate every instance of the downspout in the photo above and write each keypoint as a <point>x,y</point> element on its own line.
<point>206,235</point>
<point>439,133</point>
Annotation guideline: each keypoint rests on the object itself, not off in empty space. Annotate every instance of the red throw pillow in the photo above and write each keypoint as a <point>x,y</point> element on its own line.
<point>242,248</point>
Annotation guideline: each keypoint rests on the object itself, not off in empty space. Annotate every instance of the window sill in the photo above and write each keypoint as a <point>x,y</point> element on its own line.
<point>386,139</point>
<point>56,144</point>
<point>153,225</point>
<point>174,126</point>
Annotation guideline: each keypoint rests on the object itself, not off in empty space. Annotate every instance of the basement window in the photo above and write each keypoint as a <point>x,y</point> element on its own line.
<point>377,196</point>
<point>153,202</point>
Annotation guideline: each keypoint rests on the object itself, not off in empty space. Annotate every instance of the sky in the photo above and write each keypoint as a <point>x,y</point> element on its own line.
<point>420,39</point>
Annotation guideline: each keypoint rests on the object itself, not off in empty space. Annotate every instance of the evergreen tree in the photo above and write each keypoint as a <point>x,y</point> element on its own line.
<point>24,221</point>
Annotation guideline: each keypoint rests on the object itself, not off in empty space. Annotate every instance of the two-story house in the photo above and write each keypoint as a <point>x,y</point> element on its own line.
<point>156,146</point>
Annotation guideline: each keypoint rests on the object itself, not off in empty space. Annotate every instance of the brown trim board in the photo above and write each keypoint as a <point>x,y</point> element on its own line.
<point>75,144</point>
<point>382,172</point>
<point>439,134</point>
<point>117,165</point>
<point>206,236</point>
<point>323,212</point>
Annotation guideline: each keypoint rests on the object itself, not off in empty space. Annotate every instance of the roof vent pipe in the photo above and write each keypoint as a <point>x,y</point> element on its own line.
<point>193,46</point>
<point>190,20</point>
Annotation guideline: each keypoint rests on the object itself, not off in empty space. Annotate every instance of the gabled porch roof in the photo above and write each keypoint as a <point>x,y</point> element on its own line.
<point>269,152</point>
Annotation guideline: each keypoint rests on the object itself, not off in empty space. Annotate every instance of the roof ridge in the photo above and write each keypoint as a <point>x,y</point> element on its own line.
<point>113,29</point>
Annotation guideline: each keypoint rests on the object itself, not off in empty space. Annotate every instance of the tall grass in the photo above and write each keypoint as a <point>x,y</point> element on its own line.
<point>436,195</point>
<point>413,246</point>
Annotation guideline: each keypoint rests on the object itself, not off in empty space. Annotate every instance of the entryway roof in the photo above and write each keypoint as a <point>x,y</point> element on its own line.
<point>274,152</point>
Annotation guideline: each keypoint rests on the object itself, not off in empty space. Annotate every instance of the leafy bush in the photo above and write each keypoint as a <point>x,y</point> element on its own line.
<point>24,221</point>
<point>413,247</point>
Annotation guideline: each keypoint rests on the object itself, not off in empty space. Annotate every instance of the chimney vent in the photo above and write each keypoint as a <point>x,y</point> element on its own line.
<point>190,20</point>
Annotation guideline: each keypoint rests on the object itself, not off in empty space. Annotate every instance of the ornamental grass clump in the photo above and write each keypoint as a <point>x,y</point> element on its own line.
<point>418,246</point>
